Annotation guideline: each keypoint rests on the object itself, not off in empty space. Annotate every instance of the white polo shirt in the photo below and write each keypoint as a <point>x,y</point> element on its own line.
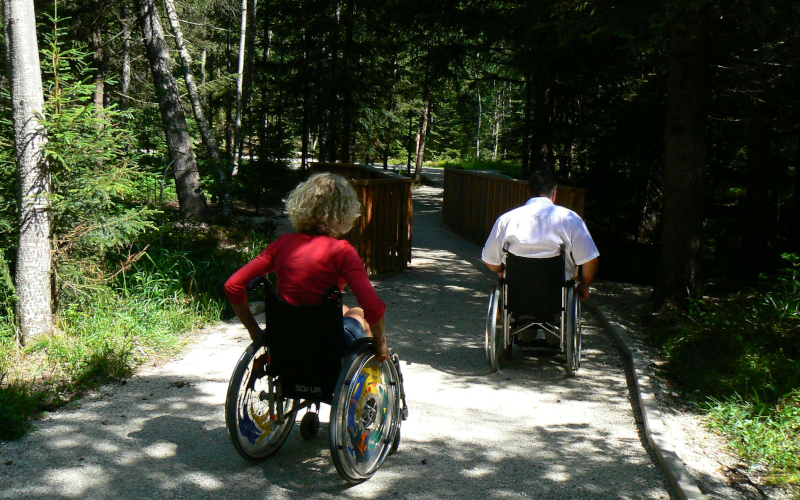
<point>538,229</point>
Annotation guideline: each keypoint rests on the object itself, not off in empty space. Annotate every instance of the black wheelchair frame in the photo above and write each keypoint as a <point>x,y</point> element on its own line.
<point>301,362</point>
<point>533,294</point>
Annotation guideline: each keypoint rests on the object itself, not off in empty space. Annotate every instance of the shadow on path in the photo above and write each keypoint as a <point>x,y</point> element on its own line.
<point>527,431</point>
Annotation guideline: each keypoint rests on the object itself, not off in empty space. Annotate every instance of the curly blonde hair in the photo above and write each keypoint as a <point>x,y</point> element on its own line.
<point>324,204</point>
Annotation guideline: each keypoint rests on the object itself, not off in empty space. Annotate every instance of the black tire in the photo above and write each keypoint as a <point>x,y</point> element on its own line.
<point>395,443</point>
<point>573,332</point>
<point>257,418</point>
<point>309,425</point>
<point>365,416</point>
<point>495,345</point>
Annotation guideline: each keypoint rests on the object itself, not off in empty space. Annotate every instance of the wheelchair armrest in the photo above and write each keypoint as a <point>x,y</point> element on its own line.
<point>332,292</point>
<point>262,280</point>
<point>360,342</point>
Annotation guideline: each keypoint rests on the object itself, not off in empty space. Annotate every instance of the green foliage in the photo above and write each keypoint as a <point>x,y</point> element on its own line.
<point>265,182</point>
<point>18,402</point>
<point>739,357</point>
<point>746,343</point>
<point>92,161</point>
<point>107,329</point>
<point>767,434</point>
<point>7,290</point>
<point>126,291</point>
<point>506,167</point>
<point>8,177</point>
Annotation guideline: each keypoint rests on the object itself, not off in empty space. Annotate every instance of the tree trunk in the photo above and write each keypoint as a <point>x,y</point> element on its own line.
<point>541,150</point>
<point>498,102</point>
<point>203,60</point>
<point>526,130</point>
<point>410,142</point>
<point>228,101</point>
<point>187,180</point>
<point>27,102</point>
<point>387,134</point>
<point>480,114</point>
<point>425,128</point>
<point>126,59</point>
<point>333,88</point>
<point>247,78</point>
<point>688,92</point>
<point>304,125</point>
<point>346,80</point>
<point>209,141</point>
<point>98,58</point>
<point>239,87</point>
<point>547,136</point>
<point>211,102</point>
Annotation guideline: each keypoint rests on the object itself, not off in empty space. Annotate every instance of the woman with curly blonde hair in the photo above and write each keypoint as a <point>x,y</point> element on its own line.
<point>308,262</point>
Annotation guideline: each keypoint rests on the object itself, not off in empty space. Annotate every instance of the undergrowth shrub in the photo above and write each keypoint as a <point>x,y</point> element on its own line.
<point>748,342</point>
<point>739,358</point>
<point>7,299</point>
<point>126,288</point>
<point>763,433</point>
<point>18,401</point>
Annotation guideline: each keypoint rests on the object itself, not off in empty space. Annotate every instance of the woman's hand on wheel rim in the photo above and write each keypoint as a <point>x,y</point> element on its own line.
<point>382,352</point>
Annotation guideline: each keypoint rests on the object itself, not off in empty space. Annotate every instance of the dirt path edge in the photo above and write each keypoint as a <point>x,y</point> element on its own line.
<point>680,479</point>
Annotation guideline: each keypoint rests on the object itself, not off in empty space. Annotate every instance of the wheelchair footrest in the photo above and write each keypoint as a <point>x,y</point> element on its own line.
<point>539,343</point>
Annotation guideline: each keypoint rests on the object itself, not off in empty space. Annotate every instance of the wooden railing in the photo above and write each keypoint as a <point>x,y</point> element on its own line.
<point>474,200</point>
<point>382,235</point>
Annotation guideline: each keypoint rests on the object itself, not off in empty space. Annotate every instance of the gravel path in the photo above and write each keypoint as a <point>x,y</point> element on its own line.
<point>527,431</point>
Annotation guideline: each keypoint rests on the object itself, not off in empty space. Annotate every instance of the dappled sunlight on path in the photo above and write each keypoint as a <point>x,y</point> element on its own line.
<point>527,431</point>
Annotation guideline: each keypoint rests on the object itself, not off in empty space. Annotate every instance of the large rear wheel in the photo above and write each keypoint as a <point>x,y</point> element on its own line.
<point>365,416</point>
<point>495,343</point>
<point>258,418</point>
<point>573,332</point>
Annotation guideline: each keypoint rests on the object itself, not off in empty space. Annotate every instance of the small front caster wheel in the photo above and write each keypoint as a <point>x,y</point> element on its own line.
<point>309,425</point>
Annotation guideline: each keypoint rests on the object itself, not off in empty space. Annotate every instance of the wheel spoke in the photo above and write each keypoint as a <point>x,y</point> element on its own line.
<point>365,417</point>
<point>257,417</point>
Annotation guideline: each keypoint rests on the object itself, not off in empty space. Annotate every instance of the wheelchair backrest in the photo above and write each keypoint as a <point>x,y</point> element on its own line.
<point>306,346</point>
<point>534,286</point>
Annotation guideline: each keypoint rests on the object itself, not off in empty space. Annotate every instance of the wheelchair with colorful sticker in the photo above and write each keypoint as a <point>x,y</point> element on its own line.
<point>530,298</point>
<point>301,362</point>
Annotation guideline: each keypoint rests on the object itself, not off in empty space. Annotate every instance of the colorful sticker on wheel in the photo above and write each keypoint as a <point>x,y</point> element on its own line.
<point>254,423</point>
<point>366,413</point>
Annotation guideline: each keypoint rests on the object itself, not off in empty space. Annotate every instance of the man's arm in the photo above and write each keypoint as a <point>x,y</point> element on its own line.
<point>496,269</point>
<point>588,270</point>
<point>493,248</point>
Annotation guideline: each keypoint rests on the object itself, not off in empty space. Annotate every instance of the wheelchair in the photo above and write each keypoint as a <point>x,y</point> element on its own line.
<point>533,295</point>
<point>301,362</point>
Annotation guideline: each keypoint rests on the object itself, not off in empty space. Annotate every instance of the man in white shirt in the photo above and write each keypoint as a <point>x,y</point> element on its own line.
<point>539,228</point>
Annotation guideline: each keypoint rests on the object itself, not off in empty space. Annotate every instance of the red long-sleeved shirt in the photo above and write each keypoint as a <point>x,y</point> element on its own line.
<point>306,266</point>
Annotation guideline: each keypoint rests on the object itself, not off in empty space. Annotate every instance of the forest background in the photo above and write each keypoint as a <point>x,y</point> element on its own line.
<point>170,123</point>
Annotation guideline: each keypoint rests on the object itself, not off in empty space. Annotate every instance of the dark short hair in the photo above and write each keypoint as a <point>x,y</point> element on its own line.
<point>542,183</point>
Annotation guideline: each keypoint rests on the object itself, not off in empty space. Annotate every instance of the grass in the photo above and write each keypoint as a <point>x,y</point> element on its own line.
<point>103,333</point>
<point>762,433</point>
<point>505,167</point>
<point>738,357</point>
